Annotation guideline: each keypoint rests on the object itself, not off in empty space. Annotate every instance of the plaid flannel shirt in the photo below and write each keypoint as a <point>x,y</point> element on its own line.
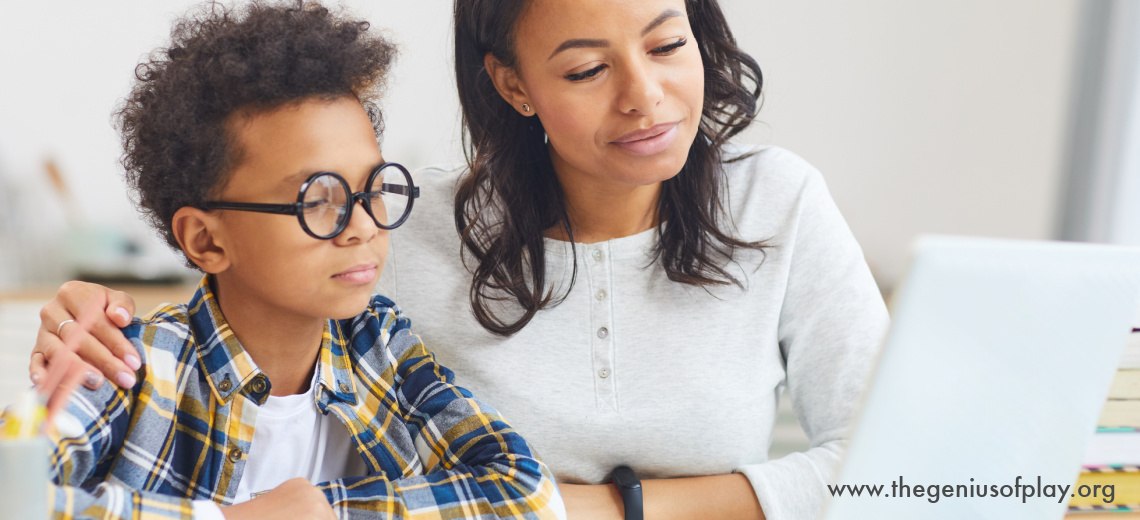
<point>183,432</point>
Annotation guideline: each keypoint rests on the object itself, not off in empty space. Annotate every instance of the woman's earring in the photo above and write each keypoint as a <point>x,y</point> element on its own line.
<point>526,107</point>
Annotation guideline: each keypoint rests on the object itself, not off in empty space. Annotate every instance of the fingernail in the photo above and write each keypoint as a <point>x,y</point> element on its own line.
<point>124,314</point>
<point>92,380</point>
<point>36,378</point>
<point>132,361</point>
<point>125,380</point>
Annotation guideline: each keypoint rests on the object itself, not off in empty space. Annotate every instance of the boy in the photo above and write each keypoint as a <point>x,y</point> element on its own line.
<point>251,146</point>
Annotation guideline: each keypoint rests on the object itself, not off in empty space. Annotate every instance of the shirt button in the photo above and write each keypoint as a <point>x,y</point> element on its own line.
<point>604,373</point>
<point>344,388</point>
<point>235,455</point>
<point>225,385</point>
<point>603,332</point>
<point>258,384</point>
<point>601,295</point>
<point>597,255</point>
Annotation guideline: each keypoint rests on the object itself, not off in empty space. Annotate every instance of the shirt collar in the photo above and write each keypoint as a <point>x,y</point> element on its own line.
<point>229,368</point>
<point>334,365</point>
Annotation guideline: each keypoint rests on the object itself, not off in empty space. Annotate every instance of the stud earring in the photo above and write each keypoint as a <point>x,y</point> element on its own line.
<point>526,107</point>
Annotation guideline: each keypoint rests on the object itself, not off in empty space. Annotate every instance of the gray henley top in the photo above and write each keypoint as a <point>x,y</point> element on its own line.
<point>670,379</point>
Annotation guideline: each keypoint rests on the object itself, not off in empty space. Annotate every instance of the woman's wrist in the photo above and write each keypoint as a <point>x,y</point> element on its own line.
<point>592,502</point>
<point>629,487</point>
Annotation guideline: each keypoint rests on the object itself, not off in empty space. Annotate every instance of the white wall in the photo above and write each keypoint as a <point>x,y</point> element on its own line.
<point>940,117</point>
<point>923,116</point>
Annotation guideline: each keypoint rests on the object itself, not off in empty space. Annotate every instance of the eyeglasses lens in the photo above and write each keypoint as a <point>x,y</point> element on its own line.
<point>395,194</point>
<point>325,204</point>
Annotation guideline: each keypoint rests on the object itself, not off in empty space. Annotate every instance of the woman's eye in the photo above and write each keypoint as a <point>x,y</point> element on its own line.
<point>585,75</point>
<point>666,50</point>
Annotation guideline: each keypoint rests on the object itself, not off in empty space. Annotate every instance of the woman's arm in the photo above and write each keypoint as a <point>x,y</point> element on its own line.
<point>102,351</point>
<point>694,498</point>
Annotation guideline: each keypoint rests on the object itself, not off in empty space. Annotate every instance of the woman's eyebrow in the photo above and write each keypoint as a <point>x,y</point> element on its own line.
<point>661,18</point>
<point>578,43</point>
<point>583,43</point>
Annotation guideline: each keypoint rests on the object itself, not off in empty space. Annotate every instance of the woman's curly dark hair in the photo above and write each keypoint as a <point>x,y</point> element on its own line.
<point>221,60</point>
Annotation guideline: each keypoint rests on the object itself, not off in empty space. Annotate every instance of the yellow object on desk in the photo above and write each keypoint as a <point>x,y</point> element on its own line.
<point>24,459</point>
<point>24,419</point>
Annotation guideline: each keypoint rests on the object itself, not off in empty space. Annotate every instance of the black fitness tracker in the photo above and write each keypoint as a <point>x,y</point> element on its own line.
<point>630,489</point>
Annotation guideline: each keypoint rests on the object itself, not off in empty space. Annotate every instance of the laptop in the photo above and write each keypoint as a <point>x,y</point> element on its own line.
<point>989,386</point>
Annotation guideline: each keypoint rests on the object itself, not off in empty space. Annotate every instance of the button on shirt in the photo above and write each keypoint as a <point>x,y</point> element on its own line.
<point>186,431</point>
<point>292,439</point>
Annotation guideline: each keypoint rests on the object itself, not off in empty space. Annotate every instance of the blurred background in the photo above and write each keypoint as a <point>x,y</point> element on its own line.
<point>1018,118</point>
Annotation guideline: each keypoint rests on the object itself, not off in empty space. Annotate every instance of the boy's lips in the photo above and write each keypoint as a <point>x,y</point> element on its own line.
<point>357,274</point>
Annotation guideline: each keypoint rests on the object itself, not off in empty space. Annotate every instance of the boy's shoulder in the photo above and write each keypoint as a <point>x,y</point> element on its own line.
<point>385,313</point>
<point>162,333</point>
<point>161,339</point>
<point>379,332</point>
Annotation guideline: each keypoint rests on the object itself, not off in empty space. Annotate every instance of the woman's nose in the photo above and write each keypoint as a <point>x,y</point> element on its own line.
<point>641,90</point>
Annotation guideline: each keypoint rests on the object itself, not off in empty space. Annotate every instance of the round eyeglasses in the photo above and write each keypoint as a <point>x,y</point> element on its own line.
<point>325,203</point>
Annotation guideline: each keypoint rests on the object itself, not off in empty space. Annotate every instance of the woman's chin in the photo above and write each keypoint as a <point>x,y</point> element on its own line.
<point>653,169</point>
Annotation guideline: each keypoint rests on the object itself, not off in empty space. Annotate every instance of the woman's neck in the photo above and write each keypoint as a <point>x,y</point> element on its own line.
<point>601,210</point>
<point>284,346</point>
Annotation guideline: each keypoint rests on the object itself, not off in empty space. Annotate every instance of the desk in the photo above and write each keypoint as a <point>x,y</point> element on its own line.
<point>146,297</point>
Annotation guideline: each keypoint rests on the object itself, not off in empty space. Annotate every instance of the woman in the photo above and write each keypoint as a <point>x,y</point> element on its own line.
<point>620,282</point>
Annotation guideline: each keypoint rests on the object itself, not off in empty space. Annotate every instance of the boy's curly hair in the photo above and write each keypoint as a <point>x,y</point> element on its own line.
<point>176,150</point>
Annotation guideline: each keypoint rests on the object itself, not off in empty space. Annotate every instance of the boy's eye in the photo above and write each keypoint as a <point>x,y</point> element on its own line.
<point>585,75</point>
<point>314,206</point>
<point>666,50</point>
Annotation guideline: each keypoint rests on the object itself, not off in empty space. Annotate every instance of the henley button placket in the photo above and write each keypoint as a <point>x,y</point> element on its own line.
<point>599,275</point>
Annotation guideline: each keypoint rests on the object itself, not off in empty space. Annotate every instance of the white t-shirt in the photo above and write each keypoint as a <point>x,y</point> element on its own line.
<point>292,439</point>
<point>671,379</point>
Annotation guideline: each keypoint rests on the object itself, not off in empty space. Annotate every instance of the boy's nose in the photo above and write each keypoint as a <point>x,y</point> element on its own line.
<point>361,227</point>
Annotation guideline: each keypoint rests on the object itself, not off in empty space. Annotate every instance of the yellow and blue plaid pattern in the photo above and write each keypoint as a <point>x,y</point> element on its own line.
<point>183,432</point>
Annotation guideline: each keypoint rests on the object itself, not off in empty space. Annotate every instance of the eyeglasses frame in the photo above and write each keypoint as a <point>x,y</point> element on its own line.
<point>297,208</point>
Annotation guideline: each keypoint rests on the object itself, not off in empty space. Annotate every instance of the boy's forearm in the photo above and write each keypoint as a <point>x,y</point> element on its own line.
<point>116,502</point>
<point>459,492</point>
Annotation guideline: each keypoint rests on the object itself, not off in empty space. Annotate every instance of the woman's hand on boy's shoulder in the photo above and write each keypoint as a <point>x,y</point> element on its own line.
<point>295,499</point>
<point>102,350</point>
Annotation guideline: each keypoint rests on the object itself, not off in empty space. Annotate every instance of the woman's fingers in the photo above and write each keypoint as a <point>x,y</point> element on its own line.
<point>107,336</point>
<point>120,307</point>
<point>100,345</point>
<point>58,347</point>
<point>108,339</point>
<point>61,380</point>
<point>95,357</point>
<point>38,367</point>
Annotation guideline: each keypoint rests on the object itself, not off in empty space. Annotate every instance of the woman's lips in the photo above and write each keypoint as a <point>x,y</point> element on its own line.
<point>364,273</point>
<point>649,141</point>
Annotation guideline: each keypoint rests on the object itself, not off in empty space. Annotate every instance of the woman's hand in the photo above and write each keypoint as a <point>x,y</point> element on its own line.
<point>294,498</point>
<point>102,350</point>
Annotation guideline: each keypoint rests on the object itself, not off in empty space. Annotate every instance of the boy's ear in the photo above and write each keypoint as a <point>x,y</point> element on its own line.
<point>507,82</point>
<point>200,235</point>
